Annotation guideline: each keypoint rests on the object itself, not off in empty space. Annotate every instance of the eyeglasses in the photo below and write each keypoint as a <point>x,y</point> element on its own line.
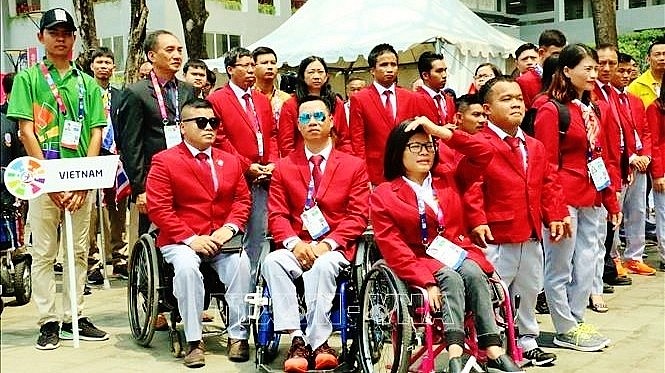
<point>305,118</point>
<point>202,122</point>
<point>417,147</point>
<point>245,65</point>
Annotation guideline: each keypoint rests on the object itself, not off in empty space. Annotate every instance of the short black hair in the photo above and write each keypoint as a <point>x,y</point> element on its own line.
<point>484,91</point>
<point>463,102</point>
<point>550,65</point>
<point>625,57</point>
<point>425,61</point>
<point>495,68</point>
<point>261,51</point>
<point>379,50</point>
<point>525,47</point>
<point>288,82</point>
<point>552,38</point>
<point>393,165</point>
<point>658,41</point>
<point>101,52</point>
<point>310,98</point>
<point>211,77</point>
<point>8,82</point>
<point>197,103</point>
<point>356,77</point>
<point>231,57</point>
<point>151,41</point>
<point>195,63</point>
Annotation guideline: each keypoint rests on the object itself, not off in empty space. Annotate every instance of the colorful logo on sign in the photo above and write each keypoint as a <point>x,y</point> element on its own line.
<point>25,177</point>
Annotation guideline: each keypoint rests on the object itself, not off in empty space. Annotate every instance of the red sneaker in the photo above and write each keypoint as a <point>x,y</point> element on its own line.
<point>639,268</point>
<point>297,359</point>
<point>325,357</point>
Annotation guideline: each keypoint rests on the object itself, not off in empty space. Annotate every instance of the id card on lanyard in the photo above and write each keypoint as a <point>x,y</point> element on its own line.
<point>172,134</point>
<point>71,130</point>
<point>312,217</point>
<point>440,248</point>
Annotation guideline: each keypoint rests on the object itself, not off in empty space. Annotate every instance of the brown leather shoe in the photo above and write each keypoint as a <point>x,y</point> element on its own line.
<point>161,324</point>
<point>195,357</point>
<point>297,359</point>
<point>325,357</point>
<point>238,350</point>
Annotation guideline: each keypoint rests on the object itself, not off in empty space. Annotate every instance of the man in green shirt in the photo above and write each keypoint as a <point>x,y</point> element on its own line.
<point>60,114</point>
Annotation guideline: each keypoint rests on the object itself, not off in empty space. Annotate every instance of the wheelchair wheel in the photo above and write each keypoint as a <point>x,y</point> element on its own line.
<point>267,341</point>
<point>386,329</point>
<point>142,290</point>
<point>23,282</point>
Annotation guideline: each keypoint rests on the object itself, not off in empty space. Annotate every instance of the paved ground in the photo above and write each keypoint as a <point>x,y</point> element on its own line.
<point>635,323</point>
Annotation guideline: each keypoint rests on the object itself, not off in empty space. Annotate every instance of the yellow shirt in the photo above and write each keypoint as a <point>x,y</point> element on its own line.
<point>645,87</point>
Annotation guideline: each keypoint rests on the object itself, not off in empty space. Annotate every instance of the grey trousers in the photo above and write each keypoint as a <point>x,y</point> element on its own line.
<point>256,227</point>
<point>634,218</point>
<point>233,271</point>
<point>659,205</point>
<point>520,266</point>
<point>280,268</point>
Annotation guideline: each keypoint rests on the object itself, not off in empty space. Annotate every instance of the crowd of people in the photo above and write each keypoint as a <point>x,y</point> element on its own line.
<point>528,176</point>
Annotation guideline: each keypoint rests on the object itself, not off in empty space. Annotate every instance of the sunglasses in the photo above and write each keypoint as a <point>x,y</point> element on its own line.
<point>202,122</point>
<point>305,118</point>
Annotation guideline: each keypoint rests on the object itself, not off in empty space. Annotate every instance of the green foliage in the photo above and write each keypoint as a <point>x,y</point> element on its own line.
<point>232,4</point>
<point>267,9</point>
<point>637,43</point>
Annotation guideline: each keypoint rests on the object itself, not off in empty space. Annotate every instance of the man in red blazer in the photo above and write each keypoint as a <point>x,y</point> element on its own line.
<point>248,130</point>
<point>310,184</point>
<point>506,208</point>
<point>430,99</point>
<point>550,43</point>
<point>373,116</point>
<point>198,198</point>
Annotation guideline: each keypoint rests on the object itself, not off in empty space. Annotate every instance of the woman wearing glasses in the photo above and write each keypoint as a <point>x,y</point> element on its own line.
<point>312,81</point>
<point>416,217</point>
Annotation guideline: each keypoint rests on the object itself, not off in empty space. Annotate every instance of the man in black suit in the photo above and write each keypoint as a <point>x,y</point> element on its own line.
<point>149,115</point>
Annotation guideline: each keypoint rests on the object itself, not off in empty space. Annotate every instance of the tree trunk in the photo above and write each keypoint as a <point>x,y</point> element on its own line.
<point>87,29</point>
<point>135,55</point>
<point>193,15</point>
<point>604,21</point>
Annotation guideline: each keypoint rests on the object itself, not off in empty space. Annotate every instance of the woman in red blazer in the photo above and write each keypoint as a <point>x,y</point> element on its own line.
<point>570,263</point>
<point>413,213</point>
<point>656,119</point>
<point>312,80</point>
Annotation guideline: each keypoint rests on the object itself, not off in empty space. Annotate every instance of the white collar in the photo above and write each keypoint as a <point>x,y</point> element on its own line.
<point>502,134</point>
<point>195,152</point>
<point>382,89</point>
<point>239,92</point>
<point>431,91</point>
<point>325,152</point>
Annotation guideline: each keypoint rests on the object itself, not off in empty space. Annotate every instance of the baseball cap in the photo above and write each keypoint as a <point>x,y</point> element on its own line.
<point>55,17</point>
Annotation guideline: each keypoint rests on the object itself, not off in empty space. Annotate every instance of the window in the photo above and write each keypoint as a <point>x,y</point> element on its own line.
<point>233,4</point>
<point>527,7</point>
<point>637,3</point>
<point>296,4</point>
<point>218,44</point>
<point>25,6</point>
<point>573,9</point>
<point>117,45</point>
<point>267,7</point>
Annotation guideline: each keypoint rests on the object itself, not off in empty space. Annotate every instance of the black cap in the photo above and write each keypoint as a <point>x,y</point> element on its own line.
<point>57,17</point>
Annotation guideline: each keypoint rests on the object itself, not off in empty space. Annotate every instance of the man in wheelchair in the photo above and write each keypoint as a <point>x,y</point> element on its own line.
<point>198,198</point>
<point>318,207</point>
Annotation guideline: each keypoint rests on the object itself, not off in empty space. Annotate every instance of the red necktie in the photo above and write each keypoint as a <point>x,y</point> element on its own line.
<point>440,103</point>
<point>202,159</point>
<point>251,114</point>
<point>389,107</point>
<point>316,171</point>
<point>514,144</point>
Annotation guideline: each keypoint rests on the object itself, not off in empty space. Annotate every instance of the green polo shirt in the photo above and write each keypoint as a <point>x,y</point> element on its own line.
<point>33,100</point>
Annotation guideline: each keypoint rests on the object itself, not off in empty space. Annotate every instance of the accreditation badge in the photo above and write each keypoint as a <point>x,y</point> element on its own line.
<point>71,134</point>
<point>599,174</point>
<point>172,136</point>
<point>315,223</point>
<point>446,252</point>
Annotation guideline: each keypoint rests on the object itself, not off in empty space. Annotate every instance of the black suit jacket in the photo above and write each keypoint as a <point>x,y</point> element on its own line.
<point>140,130</point>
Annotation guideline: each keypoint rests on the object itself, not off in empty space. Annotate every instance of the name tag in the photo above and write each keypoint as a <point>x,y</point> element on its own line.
<point>71,134</point>
<point>315,223</point>
<point>599,175</point>
<point>172,136</point>
<point>446,252</point>
<point>259,143</point>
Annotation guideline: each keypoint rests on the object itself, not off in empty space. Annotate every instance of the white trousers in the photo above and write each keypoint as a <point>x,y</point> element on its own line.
<point>634,218</point>
<point>233,271</point>
<point>659,205</point>
<point>520,266</point>
<point>280,268</point>
<point>569,268</point>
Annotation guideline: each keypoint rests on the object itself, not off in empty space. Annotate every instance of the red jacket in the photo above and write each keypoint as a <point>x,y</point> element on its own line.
<point>427,107</point>
<point>573,174</point>
<point>656,120</point>
<point>289,138</point>
<point>633,113</point>
<point>182,204</point>
<point>396,221</point>
<point>513,203</point>
<point>343,198</point>
<point>370,126</point>
<point>531,84</point>
<point>236,133</point>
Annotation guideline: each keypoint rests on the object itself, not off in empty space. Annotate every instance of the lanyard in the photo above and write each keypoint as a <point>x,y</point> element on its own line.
<point>309,202</point>
<point>423,218</point>
<point>160,100</point>
<point>56,92</point>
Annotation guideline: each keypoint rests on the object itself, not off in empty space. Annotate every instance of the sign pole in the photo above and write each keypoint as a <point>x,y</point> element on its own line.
<point>73,293</point>
<point>102,234</point>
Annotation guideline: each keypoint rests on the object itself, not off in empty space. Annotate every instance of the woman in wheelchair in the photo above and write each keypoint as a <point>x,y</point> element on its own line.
<point>417,220</point>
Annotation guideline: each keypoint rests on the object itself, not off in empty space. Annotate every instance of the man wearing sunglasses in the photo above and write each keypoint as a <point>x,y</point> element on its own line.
<point>198,198</point>
<point>318,206</point>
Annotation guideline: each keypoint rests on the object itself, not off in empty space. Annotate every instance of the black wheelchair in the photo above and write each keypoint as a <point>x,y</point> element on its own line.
<point>150,292</point>
<point>344,314</point>
<point>15,261</point>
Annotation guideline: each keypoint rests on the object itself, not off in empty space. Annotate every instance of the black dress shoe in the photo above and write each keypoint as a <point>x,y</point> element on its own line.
<point>502,364</point>
<point>608,289</point>
<point>455,365</point>
<point>620,281</point>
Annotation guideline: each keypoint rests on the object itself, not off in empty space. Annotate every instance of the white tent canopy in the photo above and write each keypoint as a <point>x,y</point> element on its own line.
<point>347,29</point>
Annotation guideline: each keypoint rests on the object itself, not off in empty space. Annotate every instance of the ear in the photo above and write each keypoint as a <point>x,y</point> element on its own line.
<point>151,56</point>
<point>566,72</point>
<point>488,109</point>
<point>458,118</point>
<point>229,70</point>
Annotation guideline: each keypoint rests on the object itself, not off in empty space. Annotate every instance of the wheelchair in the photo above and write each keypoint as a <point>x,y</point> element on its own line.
<point>15,261</point>
<point>150,292</point>
<point>398,332</point>
<point>344,312</point>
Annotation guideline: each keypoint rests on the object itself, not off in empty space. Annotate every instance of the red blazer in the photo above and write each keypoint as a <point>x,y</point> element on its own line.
<point>396,221</point>
<point>343,198</point>
<point>182,204</point>
<point>370,126</point>
<point>289,138</point>
<point>573,174</point>
<point>634,114</point>
<point>427,107</point>
<point>236,133</point>
<point>514,204</point>
<point>531,84</point>
<point>656,120</point>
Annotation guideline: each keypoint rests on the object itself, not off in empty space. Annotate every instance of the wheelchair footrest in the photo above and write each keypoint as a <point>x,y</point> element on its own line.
<point>342,368</point>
